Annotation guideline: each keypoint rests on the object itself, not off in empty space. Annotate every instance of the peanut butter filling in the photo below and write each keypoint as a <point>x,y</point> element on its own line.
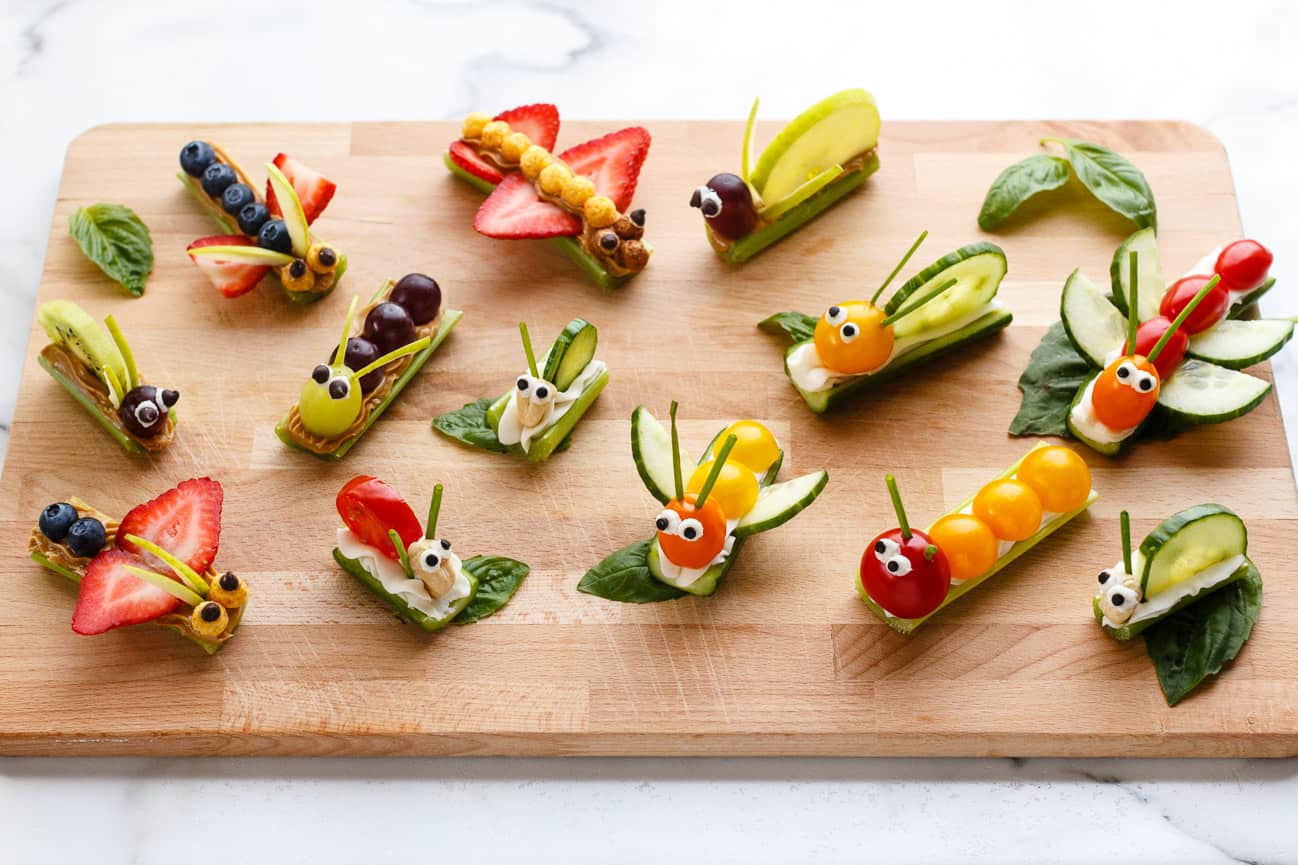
<point>90,384</point>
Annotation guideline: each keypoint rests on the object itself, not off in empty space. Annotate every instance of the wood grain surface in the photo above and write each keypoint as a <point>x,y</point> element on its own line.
<point>784,659</point>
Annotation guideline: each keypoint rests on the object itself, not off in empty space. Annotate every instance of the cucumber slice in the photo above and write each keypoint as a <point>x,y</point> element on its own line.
<point>1149,268</point>
<point>1092,323</point>
<point>570,353</point>
<point>779,503</point>
<point>404,610</point>
<point>1238,307</point>
<point>1188,542</point>
<point>1200,392</point>
<point>706,584</point>
<point>978,270</point>
<point>1236,343</point>
<point>651,447</point>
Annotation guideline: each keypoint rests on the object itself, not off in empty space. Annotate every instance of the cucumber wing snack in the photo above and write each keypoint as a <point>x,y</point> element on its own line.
<point>413,569</point>
<point>816,160</point>
<point>1151,359</point>
<point>580,199</point>
<point>535,418</point>
<point>907,575</point>
<point>857,343</point>
<point>730,495</point>
<point>154,567</point>
<point>262,233</point>
<point>95,364</point>
<point>1190,588</point>
<point>402,326</point>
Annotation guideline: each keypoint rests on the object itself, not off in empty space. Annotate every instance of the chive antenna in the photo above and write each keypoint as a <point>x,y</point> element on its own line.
<point>434,508</point>
<point>1182,316</point>
<point>896,270</point>
<point>527,349</point>
<point>717,466</point>
<point>902,522</point>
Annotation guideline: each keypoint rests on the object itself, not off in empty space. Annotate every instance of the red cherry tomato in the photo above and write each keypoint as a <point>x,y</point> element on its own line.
<point>370,507</point>
<point>908,577</point>
<point>1149,333</point>
<point>1210,310</point>
<point>1243,265</point>
<point>695,536</point>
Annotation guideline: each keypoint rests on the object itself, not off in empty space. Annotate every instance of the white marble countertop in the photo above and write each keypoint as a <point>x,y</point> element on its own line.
<point>68,64</point>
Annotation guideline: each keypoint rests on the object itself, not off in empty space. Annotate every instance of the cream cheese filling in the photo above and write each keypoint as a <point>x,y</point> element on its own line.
<point>392,577</point>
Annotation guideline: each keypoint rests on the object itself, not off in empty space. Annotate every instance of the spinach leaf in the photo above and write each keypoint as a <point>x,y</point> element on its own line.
<point>498,580</point>
<point>469,425</point>
<point>799,326</point>
<point>1018,183</point>
<point>624,576</point>
<point>1112,179</point>
<point>1199,639</point>
<point>117,241</point>
<point>1054,373</point>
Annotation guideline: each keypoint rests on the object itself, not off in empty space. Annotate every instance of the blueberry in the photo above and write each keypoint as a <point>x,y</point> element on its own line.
<point>56,519</point>
<point>236,197</point>
<point>195,157</point>
<point>252,217</point>
<point>274,235</point>
<point>216,177</point>
<point>86,537</point>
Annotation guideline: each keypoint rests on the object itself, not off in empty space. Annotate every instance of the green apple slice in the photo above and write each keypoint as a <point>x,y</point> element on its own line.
<point>831,132</point>
<point>244,255</point>
<point>167,584</point>
<point>746,158</point>
<point>1094,325</point>
<point>802,193</point>
<point>299,231</point>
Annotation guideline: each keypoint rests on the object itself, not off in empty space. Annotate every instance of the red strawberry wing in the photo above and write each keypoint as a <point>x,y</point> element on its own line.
<point>539,121</point>
<point>513,211</point>
<point>313,189</point>
<point>231,278</point>
<point>467,158</point>
<point>613,162</point>
<point>111,597</point>
<point>185,521</point>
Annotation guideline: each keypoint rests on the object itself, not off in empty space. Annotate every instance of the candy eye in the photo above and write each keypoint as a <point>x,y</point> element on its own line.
<point>691,529</point>
<point>446,545</point>
<point>709,202</point>
<point>524,385</point>
<point>668,522</point>
<point>431,560</point>
<point>849,332</point>
<point>320,374</point>
<point>544,393</point>
<point>146,413</point>
<point>898,566</point>
<point>608,241</point>
<point>885,549</point>
<point>1145,382</point>
<point>835,315</point>
<point>1126,373</point>
<point>1106,576</point>
<point>340,388</point>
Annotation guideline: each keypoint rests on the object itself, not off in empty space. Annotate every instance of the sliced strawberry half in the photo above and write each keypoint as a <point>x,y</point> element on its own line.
<point>613,162</point>
<point>512,211</point>
<point>185,521</point>
<point>313,189</point>
<point>231,278</point>
<point>467,158</point>
<point>111,597</point>
<point>539,121</point>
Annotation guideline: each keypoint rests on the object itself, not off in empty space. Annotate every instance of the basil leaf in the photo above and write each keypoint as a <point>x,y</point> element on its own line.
<point>799,326</point>
<point>624,576</point>
<point>1199,639</point>
<point>116,240</point>
<point>1018,183</point>
<point>469,425</point>
<point>1113,180</point>
<point>498,580</point>
<point>1054,373</point>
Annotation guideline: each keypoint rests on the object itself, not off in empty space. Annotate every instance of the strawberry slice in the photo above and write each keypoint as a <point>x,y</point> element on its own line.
<point>467,158</point>
<point>512,211</point>
<point>613,162</point>
<point>111,597</point>
<point>231,278</point>
<point>185,521</point>
<point>540,122</point>
<point>313,189</point>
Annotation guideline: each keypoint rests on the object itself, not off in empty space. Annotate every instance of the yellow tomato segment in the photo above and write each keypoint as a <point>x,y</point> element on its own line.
<point>735,490</point>
<point>1010,509</point>
<point>755,445</point>
<point>968,544</point>
<point>852,339</point>
<point>1058,476</point>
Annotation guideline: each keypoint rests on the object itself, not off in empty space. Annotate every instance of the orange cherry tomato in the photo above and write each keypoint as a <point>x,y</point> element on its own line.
<point>689,536</point>
<point>852,339</point>
<point>1058,476</point>
<point>1125,392</point>
<point>968,543</point>
<point>1010,508</point>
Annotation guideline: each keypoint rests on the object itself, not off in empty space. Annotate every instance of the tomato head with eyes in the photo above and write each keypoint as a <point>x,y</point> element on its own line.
<point>907,576</point>
<point>690,536</point>
<point>1125,392</point>
<point>851,338</point>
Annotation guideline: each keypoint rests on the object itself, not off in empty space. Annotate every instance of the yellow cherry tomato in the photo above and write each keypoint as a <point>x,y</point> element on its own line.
<point>852,339</point>
<point>968,544</point>
<point>1010,508</point>
<point>1058,476</point>
<point>755,445</point>
<point>735,490</point>
<point>1125,392</point>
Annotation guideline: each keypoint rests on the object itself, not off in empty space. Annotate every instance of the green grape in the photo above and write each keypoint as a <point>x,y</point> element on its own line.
<point>330,401</point>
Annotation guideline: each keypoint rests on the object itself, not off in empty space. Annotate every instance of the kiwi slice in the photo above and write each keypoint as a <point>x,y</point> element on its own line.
<point>71,327</point>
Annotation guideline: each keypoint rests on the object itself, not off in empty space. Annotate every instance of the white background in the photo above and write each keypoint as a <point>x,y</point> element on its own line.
<point>68,64</point>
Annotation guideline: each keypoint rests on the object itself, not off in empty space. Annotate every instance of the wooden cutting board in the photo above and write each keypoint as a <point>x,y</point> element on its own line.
<point>783,659</point>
